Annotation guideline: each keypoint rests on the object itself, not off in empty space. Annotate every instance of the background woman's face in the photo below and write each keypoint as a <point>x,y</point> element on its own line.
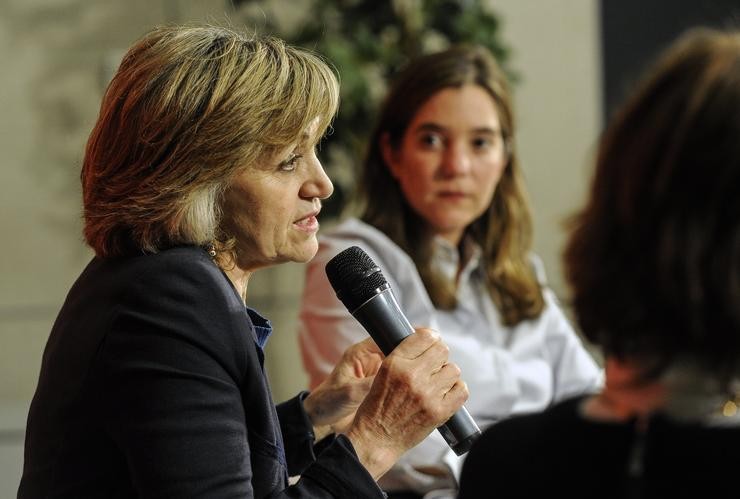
<point>450,159</point>
<point>271,208</point>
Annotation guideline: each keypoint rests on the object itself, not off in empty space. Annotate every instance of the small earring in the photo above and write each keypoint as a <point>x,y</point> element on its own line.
<point>211,249</point>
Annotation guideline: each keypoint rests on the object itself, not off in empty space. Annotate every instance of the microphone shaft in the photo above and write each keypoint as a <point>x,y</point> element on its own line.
<point>382,318</point>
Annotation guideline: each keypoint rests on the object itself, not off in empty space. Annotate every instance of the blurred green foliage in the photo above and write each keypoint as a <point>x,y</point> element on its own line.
<point>368,41</point>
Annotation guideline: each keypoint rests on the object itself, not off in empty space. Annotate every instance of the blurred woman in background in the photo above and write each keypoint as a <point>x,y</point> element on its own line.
<point>654,263</point>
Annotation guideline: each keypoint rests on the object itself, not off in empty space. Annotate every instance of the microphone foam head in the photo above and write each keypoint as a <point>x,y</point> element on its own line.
<point>354,276</point>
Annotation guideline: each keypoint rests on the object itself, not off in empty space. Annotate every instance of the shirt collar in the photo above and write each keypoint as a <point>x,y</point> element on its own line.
<point>261,326</point>
<point>447,256</point>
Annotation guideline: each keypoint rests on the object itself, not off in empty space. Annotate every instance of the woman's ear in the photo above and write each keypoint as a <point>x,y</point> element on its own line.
<point>390,155</point>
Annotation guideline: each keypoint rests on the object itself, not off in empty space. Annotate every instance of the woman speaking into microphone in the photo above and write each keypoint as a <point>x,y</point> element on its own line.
<point>201,170</point>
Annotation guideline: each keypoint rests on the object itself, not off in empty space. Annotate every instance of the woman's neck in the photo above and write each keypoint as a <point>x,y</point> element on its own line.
<point>684,392</point>
<point>238,277</point>
<point>625,395</point>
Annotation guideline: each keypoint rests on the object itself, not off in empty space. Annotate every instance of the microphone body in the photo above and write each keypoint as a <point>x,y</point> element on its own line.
<point>370,300</point>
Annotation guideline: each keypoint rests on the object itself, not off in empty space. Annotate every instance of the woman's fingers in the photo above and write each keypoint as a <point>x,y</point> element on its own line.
<point>446,376</point>
<point>416,345</point>
<point>457,394</point>
<point>416,390</point>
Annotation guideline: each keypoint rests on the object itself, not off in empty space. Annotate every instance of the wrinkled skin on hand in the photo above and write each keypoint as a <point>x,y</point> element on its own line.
<point>414,391</point>
<point>331,406</point>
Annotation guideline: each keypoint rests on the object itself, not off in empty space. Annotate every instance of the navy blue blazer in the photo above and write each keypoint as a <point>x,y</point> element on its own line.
<point>152,386</point>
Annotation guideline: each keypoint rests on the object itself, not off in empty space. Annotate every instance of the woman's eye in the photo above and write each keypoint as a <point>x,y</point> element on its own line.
<point>291,163</point>
<point>430,140</point>
<point>482,142</point>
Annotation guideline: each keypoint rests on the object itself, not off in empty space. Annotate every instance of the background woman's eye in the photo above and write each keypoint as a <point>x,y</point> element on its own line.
<point>482,142</point>
<point>430,140</point>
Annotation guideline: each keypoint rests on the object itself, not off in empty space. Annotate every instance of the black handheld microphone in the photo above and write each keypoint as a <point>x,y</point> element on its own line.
<point>361,286</point>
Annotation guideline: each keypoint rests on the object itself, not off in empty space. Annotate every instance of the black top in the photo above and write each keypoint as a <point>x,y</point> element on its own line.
<point>558,453</point>
<point>152,385</point>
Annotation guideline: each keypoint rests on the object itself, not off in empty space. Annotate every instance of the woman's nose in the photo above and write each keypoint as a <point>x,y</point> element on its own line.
<point>318,185</point>
<point>456,160</point>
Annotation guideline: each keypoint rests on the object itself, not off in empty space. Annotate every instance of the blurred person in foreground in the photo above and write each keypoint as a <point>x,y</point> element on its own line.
<point>446,218</point>
<point>201,170</point>
<point>654,264</point>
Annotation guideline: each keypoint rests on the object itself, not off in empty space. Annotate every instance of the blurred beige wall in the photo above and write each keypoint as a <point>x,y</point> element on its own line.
<point>56,56</point>
<point>555,47</point>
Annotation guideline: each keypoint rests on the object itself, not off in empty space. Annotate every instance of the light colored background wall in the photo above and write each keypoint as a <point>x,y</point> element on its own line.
<point>558,102</point>
<point>55,55</point>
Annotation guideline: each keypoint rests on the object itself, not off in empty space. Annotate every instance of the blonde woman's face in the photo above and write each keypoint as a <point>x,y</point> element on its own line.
<point>272,208</point>
<point>451,159</point>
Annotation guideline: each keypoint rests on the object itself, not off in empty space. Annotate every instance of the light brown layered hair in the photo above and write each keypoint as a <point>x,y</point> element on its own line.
<point>654,257</point>
<point>504,231</point>
<point>189,108</point>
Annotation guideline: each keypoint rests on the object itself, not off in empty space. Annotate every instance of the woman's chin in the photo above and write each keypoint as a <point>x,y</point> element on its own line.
<point>305,252</point>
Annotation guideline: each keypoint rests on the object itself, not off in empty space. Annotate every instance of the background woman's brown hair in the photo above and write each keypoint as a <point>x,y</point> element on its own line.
<point>654,257</point>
